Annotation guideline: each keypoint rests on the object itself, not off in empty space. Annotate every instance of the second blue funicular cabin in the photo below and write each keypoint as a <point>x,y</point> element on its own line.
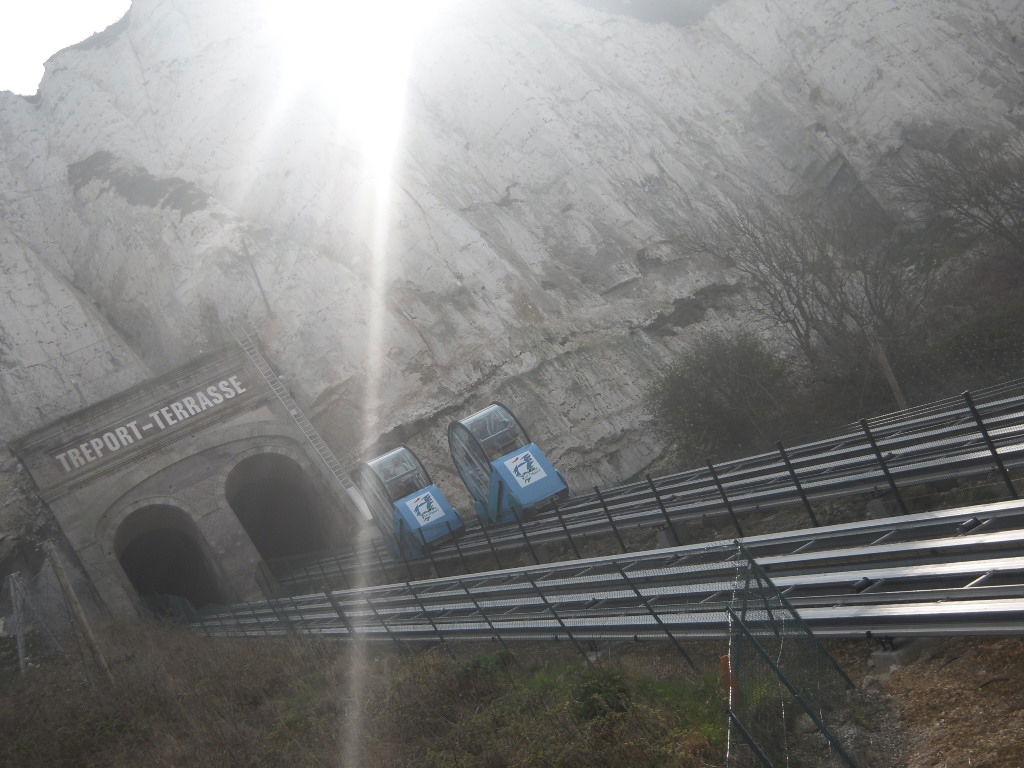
<point>508,476</point>
<point>413,514</point>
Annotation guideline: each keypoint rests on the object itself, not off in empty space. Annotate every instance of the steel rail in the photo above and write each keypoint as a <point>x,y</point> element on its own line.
<point>677,585</point>
<point>921,526</point>
<point>943,444</point>
<point>679,507</point>
<point>937,618</point>
<point>917,583</point>
<point>596,596</point>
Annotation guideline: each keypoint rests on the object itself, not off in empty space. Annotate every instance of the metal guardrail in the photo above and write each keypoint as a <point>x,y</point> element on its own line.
<point>937,573</point>
<point>958,437</point>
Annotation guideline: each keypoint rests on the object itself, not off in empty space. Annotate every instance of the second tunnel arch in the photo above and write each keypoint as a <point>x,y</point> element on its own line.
<point>281,507</point>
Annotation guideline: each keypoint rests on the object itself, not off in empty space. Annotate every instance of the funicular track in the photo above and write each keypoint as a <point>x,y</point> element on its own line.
<point>956,571</point>
<point>959,437</point>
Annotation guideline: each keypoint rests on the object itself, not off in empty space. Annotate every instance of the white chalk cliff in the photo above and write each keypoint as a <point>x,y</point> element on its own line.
<point>169,180</point>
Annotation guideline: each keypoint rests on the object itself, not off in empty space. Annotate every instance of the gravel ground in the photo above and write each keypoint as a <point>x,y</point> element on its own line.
<point>959,705</point>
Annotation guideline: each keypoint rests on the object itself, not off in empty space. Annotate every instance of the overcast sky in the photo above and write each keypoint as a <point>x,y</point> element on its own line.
<point>33,30</point>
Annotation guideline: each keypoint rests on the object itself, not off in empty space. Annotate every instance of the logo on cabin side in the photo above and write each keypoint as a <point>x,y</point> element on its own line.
<point>525,468</point>
<point>424,508</point>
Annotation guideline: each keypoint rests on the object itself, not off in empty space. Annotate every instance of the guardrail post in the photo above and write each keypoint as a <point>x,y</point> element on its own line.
<point>550,606</point>
<point>487,536</point>
<point>380,559</point>
<point>611,522</point>
<point>281,615</point>
<point>266,580</point>
<point>400,548</point>
<point>517,514</point>
<point>664,512</point>
<point>884,466</point>
<point>327,581</point>
<point>656,617</point>
<point>458,549</point>
<point>486,618</point>
<point>990,445</point>
<point>725,498</point>
<point>384,624</point>
<point>256,617</point>
<point>299,613</point>
<point>429,618</point>
<point>202,622</point>
<point>796,482</point>
<point>430,555</point>
<point>561,520</point>
<point>341,613</point>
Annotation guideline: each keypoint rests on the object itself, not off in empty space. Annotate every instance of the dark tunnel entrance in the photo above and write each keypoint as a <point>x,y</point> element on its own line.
<point>278,506</point>
<point>159,549</point>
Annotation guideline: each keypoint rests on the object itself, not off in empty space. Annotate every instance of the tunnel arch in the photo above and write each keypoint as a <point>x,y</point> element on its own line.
<point>278,505</point>
<point>162,553</point>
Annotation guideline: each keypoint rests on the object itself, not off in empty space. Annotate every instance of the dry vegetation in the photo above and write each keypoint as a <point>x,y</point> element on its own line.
<point>959,705</point>
<point>181,699</point>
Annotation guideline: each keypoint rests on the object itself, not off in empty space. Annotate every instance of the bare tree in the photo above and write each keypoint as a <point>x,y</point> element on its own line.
<point>977,185</point>
<point>840,298</point>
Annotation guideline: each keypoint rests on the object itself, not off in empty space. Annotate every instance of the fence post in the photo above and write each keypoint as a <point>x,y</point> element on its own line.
<point>27,602</point>
<point>664,512</point>
<point>76,608</point>
<point>796,482</point>
<point>811,712</point>
<point>761,756</point>
<point>990,445</point>
<point>611,522</point>
<point>725,498</point>
<point>884,466</point>
<point>19,618</point>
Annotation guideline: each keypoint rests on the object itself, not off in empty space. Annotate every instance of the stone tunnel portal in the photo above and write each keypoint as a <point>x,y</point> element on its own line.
<point>278,506</point>
<point>183,484</point>
<point>161,552</point>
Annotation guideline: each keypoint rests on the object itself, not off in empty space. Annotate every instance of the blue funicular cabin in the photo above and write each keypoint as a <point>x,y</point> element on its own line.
<point>412,513</point>
<point>508,476</point>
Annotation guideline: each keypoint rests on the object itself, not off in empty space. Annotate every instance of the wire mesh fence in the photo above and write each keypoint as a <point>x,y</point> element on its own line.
<point>785,688</point>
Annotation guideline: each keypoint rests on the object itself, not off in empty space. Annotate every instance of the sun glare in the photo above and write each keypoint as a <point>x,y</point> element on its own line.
<point>355,59</point>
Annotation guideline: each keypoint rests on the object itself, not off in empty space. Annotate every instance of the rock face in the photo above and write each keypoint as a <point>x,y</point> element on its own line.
<point>178,174</point>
